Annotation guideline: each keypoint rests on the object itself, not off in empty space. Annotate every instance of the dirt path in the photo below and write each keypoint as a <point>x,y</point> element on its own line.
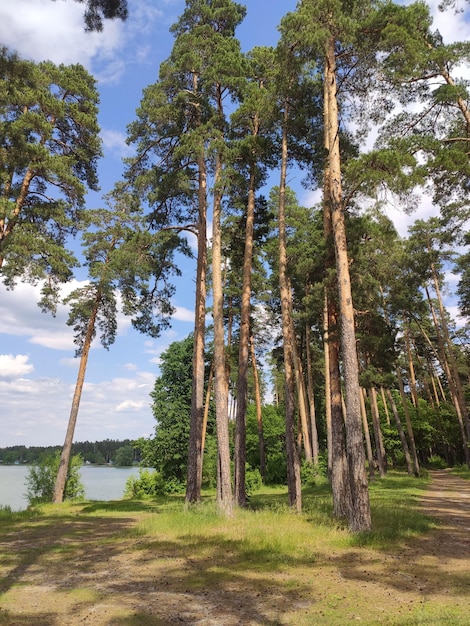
<point>89,572</point>
<point>448,500</point>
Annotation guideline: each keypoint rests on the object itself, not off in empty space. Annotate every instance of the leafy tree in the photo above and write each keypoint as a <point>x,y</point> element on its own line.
<point>274,431</point>
<point>124,456</point>
<point>171,406</point>
<point>41,479</point>
<point>123,257</point>
<point>49,148</point>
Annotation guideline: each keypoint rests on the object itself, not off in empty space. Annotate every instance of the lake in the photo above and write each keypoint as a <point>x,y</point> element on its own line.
<point>101,483</point>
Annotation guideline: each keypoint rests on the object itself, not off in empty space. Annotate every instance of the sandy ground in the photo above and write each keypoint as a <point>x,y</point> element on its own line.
<point>90,578</point>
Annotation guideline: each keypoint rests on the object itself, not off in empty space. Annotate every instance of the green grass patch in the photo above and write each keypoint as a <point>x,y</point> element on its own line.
<point>462,471</point>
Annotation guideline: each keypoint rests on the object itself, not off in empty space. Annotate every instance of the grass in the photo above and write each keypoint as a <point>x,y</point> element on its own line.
<point>461,470</point>
<point>288,568</point>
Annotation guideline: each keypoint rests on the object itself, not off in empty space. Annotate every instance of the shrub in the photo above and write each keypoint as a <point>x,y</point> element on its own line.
<point>253,480</point>
<point>41,478</point>
<point>146,486</point>
<point>436,462</point>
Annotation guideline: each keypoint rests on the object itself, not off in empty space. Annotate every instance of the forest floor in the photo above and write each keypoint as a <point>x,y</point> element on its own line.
<point>91,570</point>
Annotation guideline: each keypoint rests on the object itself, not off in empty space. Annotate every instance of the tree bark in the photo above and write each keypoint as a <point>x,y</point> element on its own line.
<point>365,426</point>
<point>311,398</point>
<point>302,401</point>
<point>411,437</point>
<point>379,445</point>
<point>259,414</point>
<point>67,447</point>
<point>293,462</point>
<point>244,351</point>
<point>193,487</point>
<point>359,518</point>
<point>401,432</point>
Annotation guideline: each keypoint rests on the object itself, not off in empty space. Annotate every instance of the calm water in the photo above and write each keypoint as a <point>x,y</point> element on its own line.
<point>101,483</point>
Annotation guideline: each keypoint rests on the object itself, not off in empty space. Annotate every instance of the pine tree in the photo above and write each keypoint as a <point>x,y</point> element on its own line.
<point>49,148</point>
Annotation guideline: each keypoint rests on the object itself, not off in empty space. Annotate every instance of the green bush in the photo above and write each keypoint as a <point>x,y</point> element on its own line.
<point>311,475</point>
<point>146,486</point>
<point>253,480</point>
<point>436,462</point>
<point>41,477</point>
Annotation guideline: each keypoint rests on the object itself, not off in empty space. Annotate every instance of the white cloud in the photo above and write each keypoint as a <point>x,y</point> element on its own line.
<point>114,141</point>
<point>36,411</point>
<point>14,366</point>
<point>21,316</point>
<point>183,315</point>
<point>45,30</point>
<point>130,405</point>
<point>132,367</point>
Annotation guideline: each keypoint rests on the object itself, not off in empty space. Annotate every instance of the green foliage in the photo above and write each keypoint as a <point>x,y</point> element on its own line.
<point>436,462</point>
<point>41,479</point>
<point>98,10</point>
<point>124,456</point>
<point>311,475</point>
<point>274,438</point>
<point>171,406</point>
<point>253,480</point>
<point>49,149</point>
<point>148,485</point>
<point>99,452</point>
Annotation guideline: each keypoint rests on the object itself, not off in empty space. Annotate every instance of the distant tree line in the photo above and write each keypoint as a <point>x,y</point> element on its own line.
<point>109,451</point>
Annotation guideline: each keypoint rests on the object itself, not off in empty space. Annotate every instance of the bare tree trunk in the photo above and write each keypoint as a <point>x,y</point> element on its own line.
<point>451,382</point>
<point>451,356</point>
<point>401,433</point>
<point>193,487</point>
<point>224,483</point>
<point>301,395</point>
<point>259,414</point>
<point>411,369</point>
<point>67,447</point>
<point>365,426</point>
<point>384,401</point>
<point>206,410</point>
<point>243,352</point>
<point>409,426</point>
<point>339,468</point>
<point>293,462</point>
<point>326,351</point>
<point>359,516</point>
<point>379,444</point>
<point>311,398</point>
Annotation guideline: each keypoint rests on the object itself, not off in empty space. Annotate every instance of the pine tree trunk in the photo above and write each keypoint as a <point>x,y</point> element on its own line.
<point>411,369</point>
<point>259,414</point>
<point>384,401</point>
<point>311,399</point>
<point>451,356</point>
<point>451,382</point>
<point>224,484</point>
<point>365,426</point>
<point>338,463</point>
<point>379,445</point>
<point>326,352</point>
<point>401,432</point>
<point>293,462</point>
<point>67,447</point>
<point>359,518</point>
<point>340,479</point>
<point>411,437</point>
<point>301,399</point>
<point>244,351</point>
<point>193,487</point>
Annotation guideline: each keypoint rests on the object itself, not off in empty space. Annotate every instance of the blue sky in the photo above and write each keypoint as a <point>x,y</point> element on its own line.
<point>37,364</point>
